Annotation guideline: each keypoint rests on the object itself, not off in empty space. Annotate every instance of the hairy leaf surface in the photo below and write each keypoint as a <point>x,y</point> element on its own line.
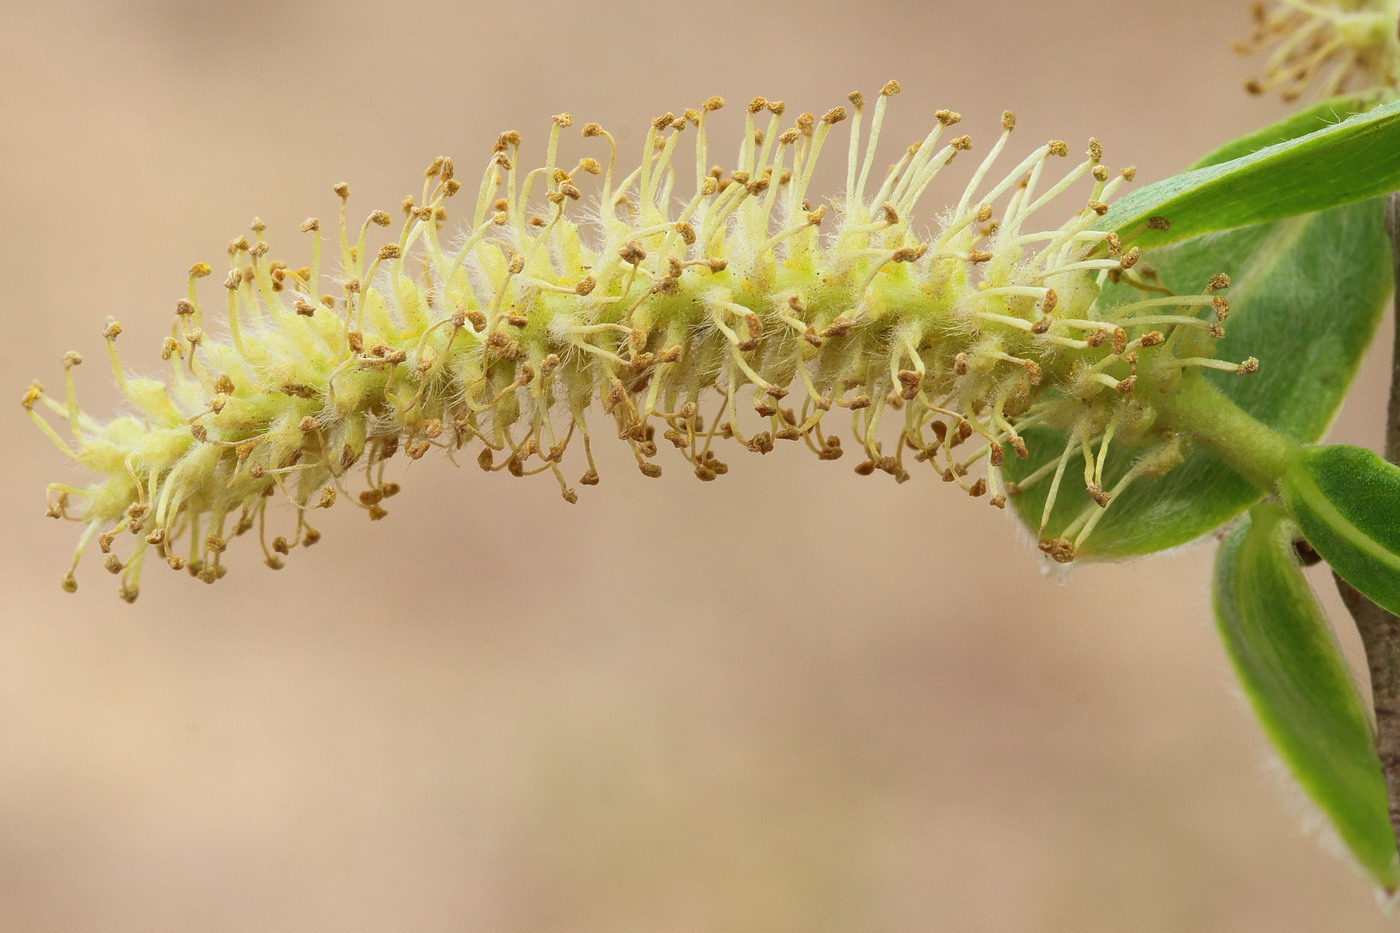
<point>1352,160</point>
<point>1289,664</point>
<point>1347,501</point>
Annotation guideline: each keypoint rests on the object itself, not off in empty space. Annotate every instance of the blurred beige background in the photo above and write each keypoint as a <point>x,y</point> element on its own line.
<point>792,700</point>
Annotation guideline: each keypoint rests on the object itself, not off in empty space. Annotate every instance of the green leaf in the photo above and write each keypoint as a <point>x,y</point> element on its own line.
<point>1317,117</point>
<point>1354,160</point>
<point>1347,501</point>
<point>1292,670</point>
<point>1306,298</point>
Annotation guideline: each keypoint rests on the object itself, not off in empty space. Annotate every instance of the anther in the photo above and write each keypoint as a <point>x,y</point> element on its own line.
<point>1120,341</point>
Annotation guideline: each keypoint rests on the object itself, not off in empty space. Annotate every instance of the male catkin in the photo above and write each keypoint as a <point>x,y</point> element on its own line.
<point>692,304</point>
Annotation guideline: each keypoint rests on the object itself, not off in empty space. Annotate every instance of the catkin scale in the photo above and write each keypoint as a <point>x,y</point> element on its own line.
<point>737,312</point>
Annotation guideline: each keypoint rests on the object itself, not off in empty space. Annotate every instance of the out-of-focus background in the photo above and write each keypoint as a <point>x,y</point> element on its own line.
<point>791,700</point>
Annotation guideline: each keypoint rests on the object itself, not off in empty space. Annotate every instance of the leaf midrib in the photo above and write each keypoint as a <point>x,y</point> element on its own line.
<point>1341,525</point>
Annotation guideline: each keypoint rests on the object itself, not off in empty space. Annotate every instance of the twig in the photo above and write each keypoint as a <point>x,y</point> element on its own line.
<point>1380,631</point>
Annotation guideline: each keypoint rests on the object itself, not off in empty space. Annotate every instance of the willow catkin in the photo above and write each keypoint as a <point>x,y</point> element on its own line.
<point>692,306</point>
<point>1330,46</point>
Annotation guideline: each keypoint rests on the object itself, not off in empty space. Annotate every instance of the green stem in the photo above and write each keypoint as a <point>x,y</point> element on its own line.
<point>1196,408</point>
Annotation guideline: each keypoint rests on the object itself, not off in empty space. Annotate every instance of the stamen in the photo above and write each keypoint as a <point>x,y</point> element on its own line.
<point>877,121</point>
<point>1244,368</point>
